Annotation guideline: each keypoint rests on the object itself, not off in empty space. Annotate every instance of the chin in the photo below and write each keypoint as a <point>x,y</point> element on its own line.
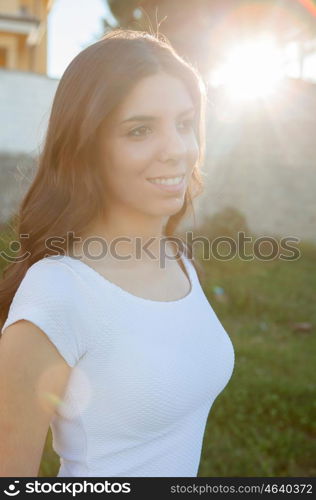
<point>172,210</point>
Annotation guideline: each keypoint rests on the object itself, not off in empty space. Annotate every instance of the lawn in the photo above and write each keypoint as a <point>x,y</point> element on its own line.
<point>263,423</point>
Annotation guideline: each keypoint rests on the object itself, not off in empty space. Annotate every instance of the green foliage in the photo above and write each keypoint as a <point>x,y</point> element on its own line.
<point>225,223</point>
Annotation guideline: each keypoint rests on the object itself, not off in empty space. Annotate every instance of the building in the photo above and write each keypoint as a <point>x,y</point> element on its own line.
<point>23,35</point>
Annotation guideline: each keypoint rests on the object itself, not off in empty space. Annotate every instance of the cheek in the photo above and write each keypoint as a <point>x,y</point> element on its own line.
<point>193,152</point>
<point>130,159</point>
<point>125,165</point>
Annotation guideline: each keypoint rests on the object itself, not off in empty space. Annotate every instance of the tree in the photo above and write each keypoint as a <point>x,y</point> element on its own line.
<point>201,29</point>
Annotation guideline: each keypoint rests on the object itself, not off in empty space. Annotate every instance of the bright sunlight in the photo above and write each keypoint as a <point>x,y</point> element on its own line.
<point>251,70</point>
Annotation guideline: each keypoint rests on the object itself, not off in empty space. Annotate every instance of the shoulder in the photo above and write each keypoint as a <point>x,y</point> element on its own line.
<point>48,277</point>
<point>50,267</point>
<point>47,297</point>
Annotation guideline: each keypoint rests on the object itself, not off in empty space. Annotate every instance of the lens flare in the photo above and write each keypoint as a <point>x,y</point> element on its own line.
<point>251,70</point>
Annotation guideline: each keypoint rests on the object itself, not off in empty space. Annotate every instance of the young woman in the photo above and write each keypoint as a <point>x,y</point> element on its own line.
<point>107,335</point>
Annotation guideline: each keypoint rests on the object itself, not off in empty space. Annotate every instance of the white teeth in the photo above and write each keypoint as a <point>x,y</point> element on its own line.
<point>171,181</point>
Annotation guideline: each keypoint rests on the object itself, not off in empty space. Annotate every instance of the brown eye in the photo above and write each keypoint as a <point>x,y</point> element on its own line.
<point>134,133</point>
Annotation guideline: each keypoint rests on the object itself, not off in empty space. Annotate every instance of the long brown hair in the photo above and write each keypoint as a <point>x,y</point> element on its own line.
<point>67,192</point>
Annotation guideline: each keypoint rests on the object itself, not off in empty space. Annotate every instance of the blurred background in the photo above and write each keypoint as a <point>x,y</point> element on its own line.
<point>258,61</point>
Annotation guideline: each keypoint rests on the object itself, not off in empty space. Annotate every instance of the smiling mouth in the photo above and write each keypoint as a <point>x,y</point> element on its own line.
<point>168,181</point>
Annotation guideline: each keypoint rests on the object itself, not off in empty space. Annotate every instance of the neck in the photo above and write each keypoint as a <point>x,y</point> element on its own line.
<point>141,237</point>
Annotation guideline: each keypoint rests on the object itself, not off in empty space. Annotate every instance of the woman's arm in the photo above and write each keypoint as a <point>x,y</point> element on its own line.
<point>33,378</point>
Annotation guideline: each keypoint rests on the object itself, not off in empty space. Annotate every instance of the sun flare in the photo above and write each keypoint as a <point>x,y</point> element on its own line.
<point>251,70</point>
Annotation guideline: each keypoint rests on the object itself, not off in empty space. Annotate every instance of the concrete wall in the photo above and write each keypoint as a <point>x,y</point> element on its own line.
<point>262,160</point>
<point>25,101</point>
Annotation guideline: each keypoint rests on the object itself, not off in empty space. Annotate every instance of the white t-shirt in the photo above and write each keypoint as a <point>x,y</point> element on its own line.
<point>145,373</point>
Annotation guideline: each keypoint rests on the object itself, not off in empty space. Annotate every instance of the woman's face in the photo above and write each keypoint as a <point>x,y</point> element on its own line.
<point>150,135</point>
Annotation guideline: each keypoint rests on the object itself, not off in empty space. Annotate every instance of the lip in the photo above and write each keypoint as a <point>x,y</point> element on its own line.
<point>171,188</point>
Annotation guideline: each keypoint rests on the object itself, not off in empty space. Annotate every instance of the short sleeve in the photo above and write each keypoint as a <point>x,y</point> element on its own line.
<point>46,297</point>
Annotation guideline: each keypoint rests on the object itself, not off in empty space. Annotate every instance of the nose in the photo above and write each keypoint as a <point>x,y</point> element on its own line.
<point>173,147</point>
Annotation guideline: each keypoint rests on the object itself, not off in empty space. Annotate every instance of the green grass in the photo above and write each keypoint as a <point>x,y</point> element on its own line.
<point>263,423</point>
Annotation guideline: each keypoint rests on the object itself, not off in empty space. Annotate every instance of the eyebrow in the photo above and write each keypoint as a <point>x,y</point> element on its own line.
<point>148,118</point>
